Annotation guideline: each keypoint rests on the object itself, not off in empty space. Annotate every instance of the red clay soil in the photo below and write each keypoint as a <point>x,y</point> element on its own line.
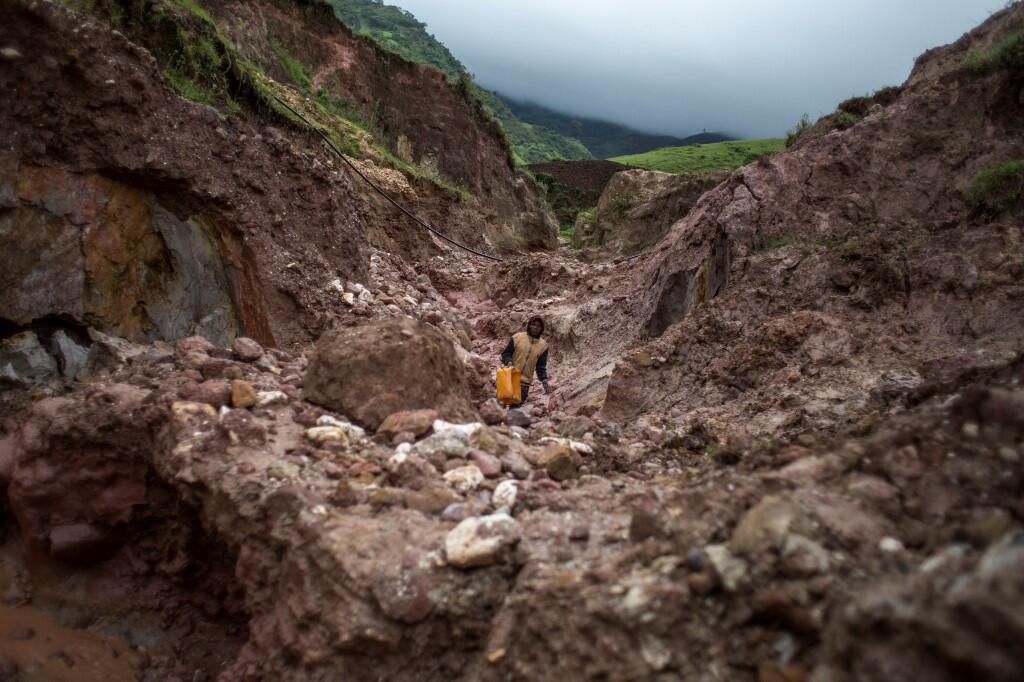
<point>785,443</point>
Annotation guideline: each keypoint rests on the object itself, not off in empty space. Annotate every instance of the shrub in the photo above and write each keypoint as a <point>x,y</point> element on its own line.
<point>1007,53</point>
<point>844,119</point>
<point>620,204</point>
<point>794,133</point>
<point>997,189</point>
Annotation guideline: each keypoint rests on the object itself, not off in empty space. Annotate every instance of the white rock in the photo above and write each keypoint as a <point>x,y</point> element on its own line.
<point>464,479</point>
<point>890,545</point>
<point>577,446</point>
<point>478,541</point>
<point>450,444</point>
<point>354,432</point>
<point>348,298</point>
<point>337,286</point>
<point>398,459</point>
<point>266,398</point>
<point>462,431</point>
<point>505,494</point>
<point>1009,455</point>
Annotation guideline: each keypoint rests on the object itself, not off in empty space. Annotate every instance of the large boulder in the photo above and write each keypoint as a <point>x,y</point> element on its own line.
<point>389,366</point>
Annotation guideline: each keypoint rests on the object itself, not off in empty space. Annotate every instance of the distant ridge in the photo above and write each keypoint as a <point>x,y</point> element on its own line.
<point>604,139</point>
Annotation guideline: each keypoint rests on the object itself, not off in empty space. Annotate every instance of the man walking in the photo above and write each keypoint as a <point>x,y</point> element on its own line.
<point>528,353</point>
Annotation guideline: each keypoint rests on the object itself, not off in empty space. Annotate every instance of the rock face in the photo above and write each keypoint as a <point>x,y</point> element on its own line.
<point>128,233</point>
<point>373,371</point>
<point>637,208</point>
<point>803,241</point>
<point>24,362</point>
<point>80,471</point>
<point>414,103</point>
<point>99,250</point>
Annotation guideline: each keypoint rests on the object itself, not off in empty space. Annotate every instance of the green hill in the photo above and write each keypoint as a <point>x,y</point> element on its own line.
<point>604,139</point>
<point>398,31</point>
<point>532,143</point>
<point>704,158</point>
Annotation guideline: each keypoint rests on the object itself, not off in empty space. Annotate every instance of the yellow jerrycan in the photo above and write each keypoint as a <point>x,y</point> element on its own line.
<point>508,386</point>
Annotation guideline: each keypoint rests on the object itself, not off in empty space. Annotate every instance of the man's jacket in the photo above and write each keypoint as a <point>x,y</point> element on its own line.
<point>527,354</point>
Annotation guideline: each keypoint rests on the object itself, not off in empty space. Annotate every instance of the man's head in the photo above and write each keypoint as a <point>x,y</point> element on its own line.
<point>535,327</point>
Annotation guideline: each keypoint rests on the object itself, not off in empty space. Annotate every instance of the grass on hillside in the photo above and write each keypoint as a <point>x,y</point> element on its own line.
<point>398,31</point>
<point>704,158</point>
<point>997,189</point>
<point>1007,53</point>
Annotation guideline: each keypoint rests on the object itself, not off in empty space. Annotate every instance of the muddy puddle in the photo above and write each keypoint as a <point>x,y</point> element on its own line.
<point>43,649</point>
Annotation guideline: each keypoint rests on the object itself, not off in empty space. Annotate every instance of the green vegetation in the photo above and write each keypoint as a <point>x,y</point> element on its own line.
<point>776,243</point>
<point>301,74</point>
<point>847,114</point>
<point>531,143</point>
<point>704,158</point>
<point>1007,53</point>
<point>801,127</point>
<point>620,205</point>
<point>199,63</point>
<point>997,189</point>
<point>603,138</point>
<point>202,65</point>
<point>398,31</point>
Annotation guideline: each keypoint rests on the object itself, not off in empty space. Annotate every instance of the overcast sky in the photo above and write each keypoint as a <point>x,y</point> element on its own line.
<point>748,67</point>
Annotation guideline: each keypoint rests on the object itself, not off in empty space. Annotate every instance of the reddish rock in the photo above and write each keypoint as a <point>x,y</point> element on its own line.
<point>193,344</point>
<point>82,465</point>
<point>387,366</point>
<point>492,413</point>
<point>216,393</point>
<point>212,368</point>
<point>416,422</point>
<point>403,437</point>
<point>489,465</point>
<point>246,349</point>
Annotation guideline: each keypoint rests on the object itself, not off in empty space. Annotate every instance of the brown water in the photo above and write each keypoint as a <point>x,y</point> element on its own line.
<point>45,650</point>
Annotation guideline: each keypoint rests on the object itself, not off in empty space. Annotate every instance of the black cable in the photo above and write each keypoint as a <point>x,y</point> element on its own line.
<point>379,190</point>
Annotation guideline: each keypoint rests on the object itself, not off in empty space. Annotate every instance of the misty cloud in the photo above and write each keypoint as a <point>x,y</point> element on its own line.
<point>749,67</point>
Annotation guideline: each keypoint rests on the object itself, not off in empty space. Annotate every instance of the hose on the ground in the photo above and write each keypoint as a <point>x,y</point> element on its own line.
<point>380,191</point>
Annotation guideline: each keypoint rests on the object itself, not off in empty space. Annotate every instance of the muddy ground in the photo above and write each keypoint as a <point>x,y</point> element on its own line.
<point>784,442</point>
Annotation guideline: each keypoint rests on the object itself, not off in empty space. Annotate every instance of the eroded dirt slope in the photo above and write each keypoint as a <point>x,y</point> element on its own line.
<point>786,442</point>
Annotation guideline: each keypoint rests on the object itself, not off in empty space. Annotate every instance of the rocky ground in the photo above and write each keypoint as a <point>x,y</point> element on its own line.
<point>785,442</point>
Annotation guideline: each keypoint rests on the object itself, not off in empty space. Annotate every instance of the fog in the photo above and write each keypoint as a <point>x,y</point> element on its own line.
<point>748,67</point>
